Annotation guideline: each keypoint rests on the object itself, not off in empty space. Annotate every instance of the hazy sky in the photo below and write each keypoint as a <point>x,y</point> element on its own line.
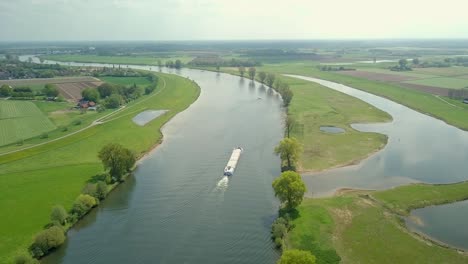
<point>225,19</point>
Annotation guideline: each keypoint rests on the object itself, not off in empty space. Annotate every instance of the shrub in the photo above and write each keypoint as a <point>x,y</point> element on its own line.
<point>63,128</point>
<point>24,258</point>
<point>46,240</point>
<point>20,142</point>
<point>89,189</point>
<point>278,230</point>
<point>295,256</point>
<point>77,122</point>
<point>83,204</point>
<point>44,135</point>
<point>58,215</point>
<point>278,242</point>
<point>101,190</point>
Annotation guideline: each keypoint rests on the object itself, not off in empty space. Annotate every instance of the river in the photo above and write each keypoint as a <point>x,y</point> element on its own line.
<point>178,208</point>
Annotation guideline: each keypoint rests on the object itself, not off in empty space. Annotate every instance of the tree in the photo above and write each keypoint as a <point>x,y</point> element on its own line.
<point>117,159</point>
<point>252,72</point>
<point>416,61</point>
<point>58,215</point>
<point>41,60</point>
<point>287,96</point>
<point>289,188</point>
<point>289,124</point>
<point>160,64</point>
<point>83,204</point>
<point>296,256</point>
<point>262,76</point>
<point>242,71</point>
<point>50,90</point>
<point>5,90</point>
<point>289,150</point>
<point>403,63</point>
<point>106,90</point>
<point>178,64</point>
<point>113,101</point>
<point>90,94</point>
<point>46,240</point>
<point>270,79</point>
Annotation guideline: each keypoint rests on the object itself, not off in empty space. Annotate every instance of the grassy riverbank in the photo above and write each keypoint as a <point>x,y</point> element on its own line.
<point>423,102</point>
<point>368,229</point>
<point>34,180</point>
<point>313,106</point>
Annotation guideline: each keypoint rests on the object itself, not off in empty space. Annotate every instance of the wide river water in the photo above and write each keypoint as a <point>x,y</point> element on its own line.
<point>179,209</point>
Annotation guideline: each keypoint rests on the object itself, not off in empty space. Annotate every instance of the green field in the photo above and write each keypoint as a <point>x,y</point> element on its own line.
<point>313,106</point>
<point>34,180</point>
<point>139,81</point>
<point>363,230</point>
<point>21,120</point>
<point>143,60</point>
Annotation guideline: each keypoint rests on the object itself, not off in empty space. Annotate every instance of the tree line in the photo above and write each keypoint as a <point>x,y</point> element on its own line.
<point>271,81</point>
<point>118,161</point>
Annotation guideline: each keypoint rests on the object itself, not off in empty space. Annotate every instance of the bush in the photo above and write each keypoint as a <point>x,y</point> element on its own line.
<point>295,256</point>
<point>77,122</point>
<point>278,230</point>
<point>46,240</point>
<point>83,204</point>
<point>44,135</point>
<point>58,215</point>
<point>150,89</point>
<point>63,128</point>
<point>101,190</point>
<point>89,189</point>
<point>24,258</point>
<point>278,242</point>
<point>20,142</point>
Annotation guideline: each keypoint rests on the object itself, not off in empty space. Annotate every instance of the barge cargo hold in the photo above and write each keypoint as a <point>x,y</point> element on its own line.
<point>232,163</point>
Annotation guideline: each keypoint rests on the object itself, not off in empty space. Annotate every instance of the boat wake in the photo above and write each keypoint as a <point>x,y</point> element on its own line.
<point>222,184</point>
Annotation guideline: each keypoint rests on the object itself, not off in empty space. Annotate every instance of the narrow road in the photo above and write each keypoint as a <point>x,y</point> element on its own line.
<point>98,121</point>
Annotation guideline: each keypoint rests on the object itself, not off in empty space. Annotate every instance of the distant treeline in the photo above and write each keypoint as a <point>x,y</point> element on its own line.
<point>12,68</point>
<point>279,54</point>
<point>217,61</point>
<point>330,68</point>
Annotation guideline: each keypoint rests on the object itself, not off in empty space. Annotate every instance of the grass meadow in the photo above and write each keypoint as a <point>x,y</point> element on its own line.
<point>34,180</point>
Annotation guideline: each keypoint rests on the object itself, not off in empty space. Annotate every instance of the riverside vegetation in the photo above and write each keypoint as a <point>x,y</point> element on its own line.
<point>65,166</point>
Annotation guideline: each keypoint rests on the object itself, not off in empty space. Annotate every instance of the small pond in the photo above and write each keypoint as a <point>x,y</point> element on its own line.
<point>444,223</point>
<point>147,116</point>
<point>332,129</point>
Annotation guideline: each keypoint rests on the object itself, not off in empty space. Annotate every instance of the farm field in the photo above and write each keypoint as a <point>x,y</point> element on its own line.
<point>350,222</point>
<point>69,87</point>
<point>439,78</point>
<point>21,120</point>
<point>62,167</point>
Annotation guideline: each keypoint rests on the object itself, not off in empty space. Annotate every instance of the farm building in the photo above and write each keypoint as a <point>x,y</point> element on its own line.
<point>465,101</point>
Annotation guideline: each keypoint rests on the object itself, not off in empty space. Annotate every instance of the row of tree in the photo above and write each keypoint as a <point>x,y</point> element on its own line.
<point>117,162</point>
<point>271,81</point>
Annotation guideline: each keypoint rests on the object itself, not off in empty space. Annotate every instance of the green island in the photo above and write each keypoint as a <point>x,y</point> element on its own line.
<point>32,184</point>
